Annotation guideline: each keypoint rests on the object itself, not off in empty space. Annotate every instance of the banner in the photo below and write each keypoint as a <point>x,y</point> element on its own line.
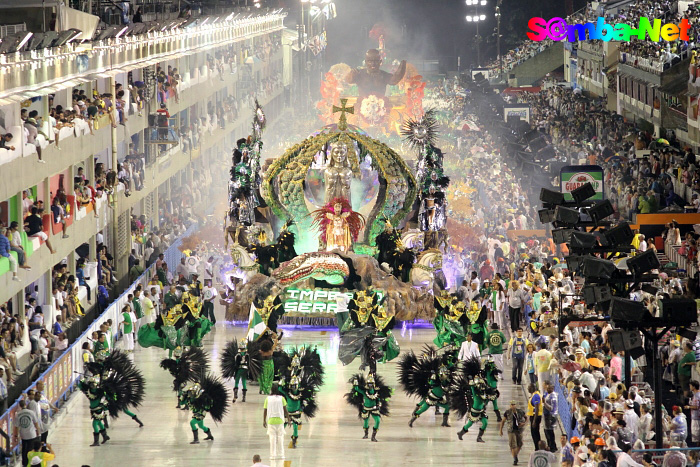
<point>305,302</point>
<point>574,176</point>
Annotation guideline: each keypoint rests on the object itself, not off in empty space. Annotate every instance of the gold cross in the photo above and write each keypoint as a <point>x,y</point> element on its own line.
<point>343,109</point>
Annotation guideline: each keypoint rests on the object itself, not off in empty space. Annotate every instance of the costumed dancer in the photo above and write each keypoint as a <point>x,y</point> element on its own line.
<point>450,320</point>
<point>197,325</point>
<point>207,395</point>
<point>477,316</point>
<point>269,257</point>
<point>237,364</point>
<point>114,386</point>
<point>429,377</point>
<point>370,396</point>
<point>169,331</point>
<point>187,367</point>
<point>299,383</point>
<point>262,334</point>
<point>285,244</point>
<point>242,202</point>
<point>491,373</point>
<point>368,332</point>
<point>468,396</point>
<point>393,254</point>
<point>339,225</point>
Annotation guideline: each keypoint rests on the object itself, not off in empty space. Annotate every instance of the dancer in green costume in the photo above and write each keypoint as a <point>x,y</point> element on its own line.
<point>209,395</point>
<point>298,383</point>
<point>113,386</point>
<point>450,320</point>
<point>491,373</point>
<point>427,376</point>
<point>93,390</point>
<point>370,396</point>
<point>268,367</point>
<point>468,395</point>
<point>187,367</point>
<point>237,363</point>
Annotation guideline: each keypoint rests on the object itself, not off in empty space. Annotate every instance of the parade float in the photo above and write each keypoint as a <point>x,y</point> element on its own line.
<point>382,100</point>
<point>338,214</point>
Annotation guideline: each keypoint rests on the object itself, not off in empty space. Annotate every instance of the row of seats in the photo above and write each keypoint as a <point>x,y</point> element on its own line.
<point>19,138</point>
<point>32,244</point>
<point>29,246</point>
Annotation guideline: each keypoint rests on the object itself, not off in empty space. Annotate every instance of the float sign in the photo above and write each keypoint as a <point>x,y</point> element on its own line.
<point>304,302</point>
<point>573,176</point>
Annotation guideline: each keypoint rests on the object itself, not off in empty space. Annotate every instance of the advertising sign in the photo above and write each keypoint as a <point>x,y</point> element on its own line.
<point>573,176</point>
<point>521,111</point>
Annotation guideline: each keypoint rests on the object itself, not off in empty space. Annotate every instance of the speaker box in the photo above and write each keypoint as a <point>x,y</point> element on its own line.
<point>627,311</point>
<point>546,154</point>
<point>679,311</point>
<point>632,339</point>
<point>560,236</point>
<point>531,135</point>
<point>596,294</point>
<point>596,268</point>
<point>636,352</point>
<point>583,192</point>
<point>583,240</point>
<point>620,234</point>
<point>601,210</point>
<point>546,215</point>
<point>566,216</point>
<point>626,341</point>
<point>617,343</point>
<point>574,262</point>
<point>551,197</point>
<point>643,262</point>
<point>537,144</point>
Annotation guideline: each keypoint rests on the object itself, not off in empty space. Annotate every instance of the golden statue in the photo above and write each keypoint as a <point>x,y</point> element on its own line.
<point>338,173</point>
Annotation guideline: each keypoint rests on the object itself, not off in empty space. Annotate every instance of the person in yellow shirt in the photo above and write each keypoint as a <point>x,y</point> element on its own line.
<point>534,413</point>
<point>543,358</point>
<point>41,457</point>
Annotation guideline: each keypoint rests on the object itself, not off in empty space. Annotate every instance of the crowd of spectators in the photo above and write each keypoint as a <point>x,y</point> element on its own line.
<point>583,132</point>
<point>654,56</point>
<point>649,55</point>
<point>577,377</point>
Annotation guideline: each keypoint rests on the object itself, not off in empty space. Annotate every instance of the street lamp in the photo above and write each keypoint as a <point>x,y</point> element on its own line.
<point>498,37</point>
<point>477,18</point>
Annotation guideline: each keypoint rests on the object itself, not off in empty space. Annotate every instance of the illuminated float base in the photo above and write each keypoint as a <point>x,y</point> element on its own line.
<point>307,302</point>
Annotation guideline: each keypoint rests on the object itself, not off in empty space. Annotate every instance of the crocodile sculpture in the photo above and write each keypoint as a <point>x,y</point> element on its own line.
<point>319,265</point>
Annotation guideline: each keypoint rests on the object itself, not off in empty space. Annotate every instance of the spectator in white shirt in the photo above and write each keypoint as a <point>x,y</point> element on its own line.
<point>624,459</point>
<point>642,243</point>
<point>209,269</point>
<point>60,345</point>
<point>469,349</point>
<point>631,418</point>
<point>257,461</point>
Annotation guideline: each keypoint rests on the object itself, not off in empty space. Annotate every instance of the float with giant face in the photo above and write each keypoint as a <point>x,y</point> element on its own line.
<point>382,100</point>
